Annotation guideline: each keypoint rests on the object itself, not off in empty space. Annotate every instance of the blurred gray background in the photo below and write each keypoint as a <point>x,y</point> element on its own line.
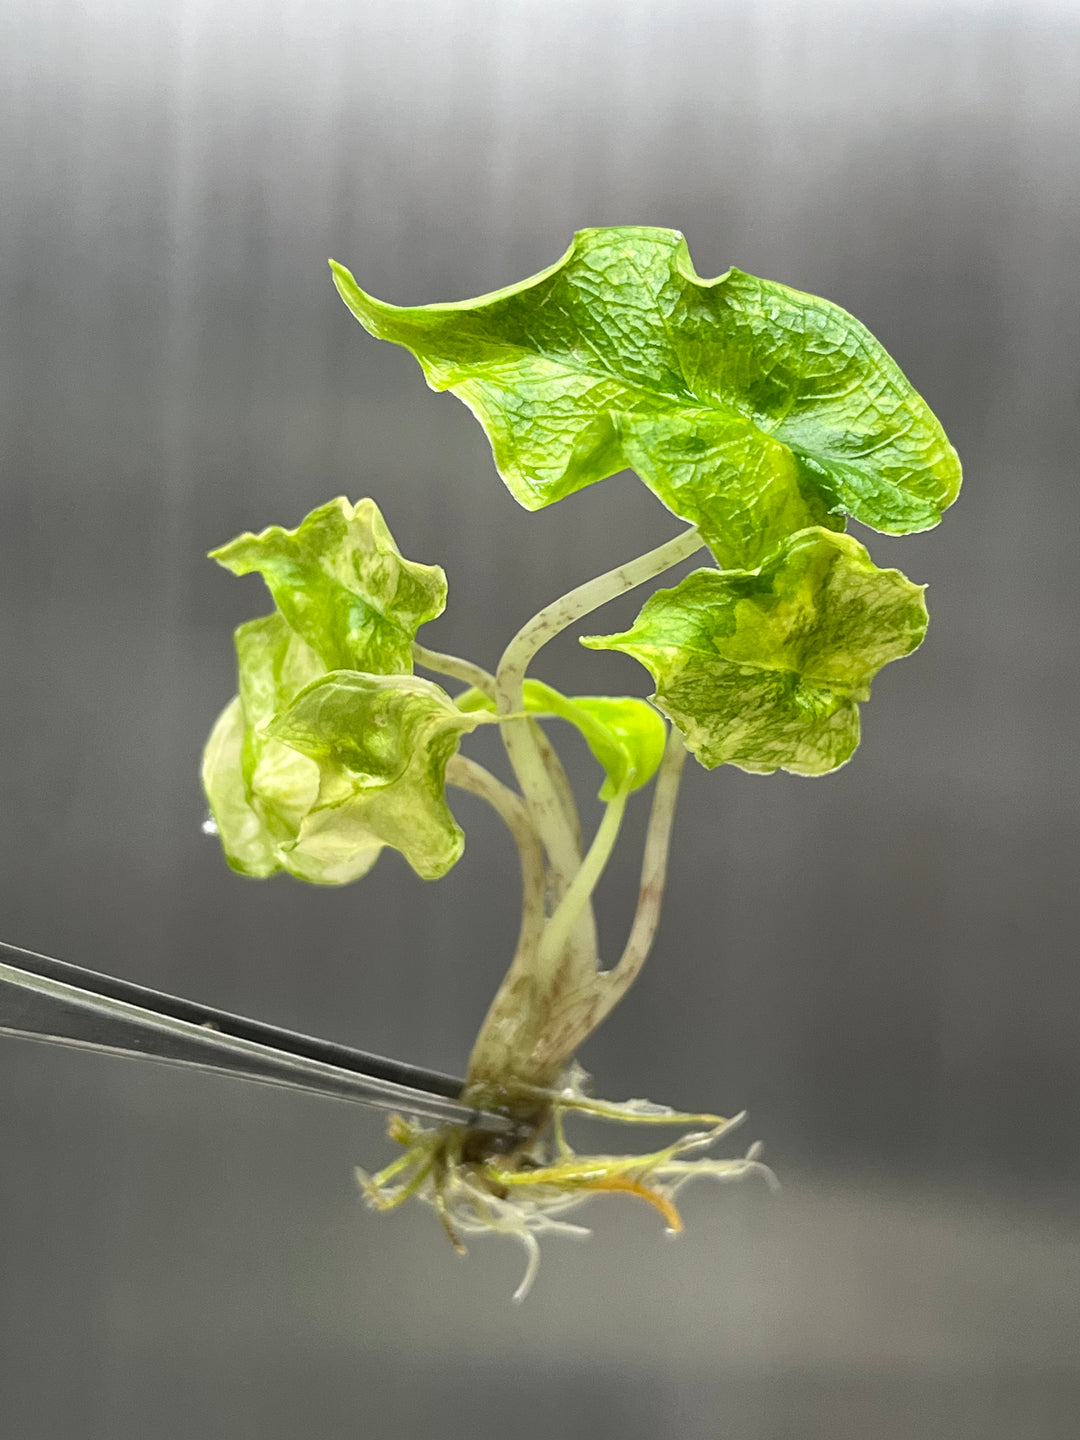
<point>881,965</point>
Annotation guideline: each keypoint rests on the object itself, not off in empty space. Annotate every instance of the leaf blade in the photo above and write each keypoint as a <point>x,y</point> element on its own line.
<point>342,584</point>
<point>381,744</point>
<point>750,409</point>
<point>248,845</point>
<point>261,790</point>
<point>765,669</point>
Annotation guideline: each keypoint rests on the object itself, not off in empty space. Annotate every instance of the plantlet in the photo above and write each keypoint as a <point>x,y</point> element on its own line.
<point>761,416</point>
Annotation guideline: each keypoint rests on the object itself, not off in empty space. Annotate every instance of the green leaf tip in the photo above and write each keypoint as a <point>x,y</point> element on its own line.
<point>625,734</point>
<point>342,584</point>
<point>750,409</point>
<point>764,668</point>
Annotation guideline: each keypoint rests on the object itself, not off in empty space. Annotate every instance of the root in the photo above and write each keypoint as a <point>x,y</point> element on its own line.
<point>476,1190</point>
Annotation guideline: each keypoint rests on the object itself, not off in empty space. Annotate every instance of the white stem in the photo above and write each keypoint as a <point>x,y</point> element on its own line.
<point>560,783</point>
<point>548,811</point>
<point>582,1012</point>
<point>511,1043</point>
<point>455,667</point>
<point>482,680</point>
<point>620,977</point>
<point>554,618</point>
<point>467,775</point>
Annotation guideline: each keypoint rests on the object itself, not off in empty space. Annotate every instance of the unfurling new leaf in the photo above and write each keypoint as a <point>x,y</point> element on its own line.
<point>625,734</point>
<point>751,409</point>
<point>764,668</point>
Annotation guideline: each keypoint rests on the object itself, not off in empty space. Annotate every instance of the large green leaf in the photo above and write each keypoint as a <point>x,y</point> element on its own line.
<point>342,584</point>
<point>764,668</point>
<point>381,744</point>
<point>625,734</point>
<point>751,409</point>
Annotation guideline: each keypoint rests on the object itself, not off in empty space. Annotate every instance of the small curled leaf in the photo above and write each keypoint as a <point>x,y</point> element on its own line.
<point>343,585</point>
<point>248,844</point>
<point>346,600</point>
<point>381,744</point>
<point>764,668</point>
<point>260,790</point>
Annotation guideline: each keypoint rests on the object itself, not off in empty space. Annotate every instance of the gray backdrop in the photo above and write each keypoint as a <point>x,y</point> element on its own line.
<point>878,965</point>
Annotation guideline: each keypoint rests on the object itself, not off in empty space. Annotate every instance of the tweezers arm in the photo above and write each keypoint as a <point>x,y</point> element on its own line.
<point>43,1007</point>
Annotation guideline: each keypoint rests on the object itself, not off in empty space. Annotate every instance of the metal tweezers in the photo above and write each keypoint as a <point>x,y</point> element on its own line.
<point>46,999</point>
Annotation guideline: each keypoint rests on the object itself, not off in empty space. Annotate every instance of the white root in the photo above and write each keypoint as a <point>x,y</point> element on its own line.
<point>528,1195</point>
